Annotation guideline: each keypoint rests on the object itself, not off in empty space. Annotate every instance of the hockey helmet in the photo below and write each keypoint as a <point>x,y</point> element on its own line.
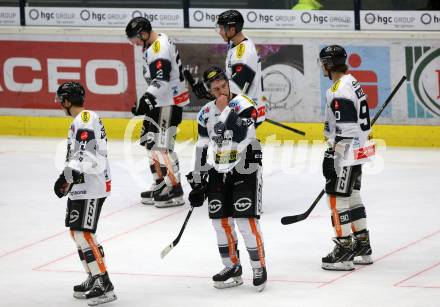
<point>231,18</point>
<point>333,56</point>
<point>213,73</point>
<point>136,26</point>
<point>72,91</point>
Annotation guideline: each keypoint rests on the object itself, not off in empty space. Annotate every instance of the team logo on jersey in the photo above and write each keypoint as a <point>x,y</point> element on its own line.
<point>158,67</point>
<point>85,117</point>
<point>156,47</point>
<point>242,204</point>
<point>84,136</point>
<point>335,86</point>
<point>240,51</point>
<point>214,206</point>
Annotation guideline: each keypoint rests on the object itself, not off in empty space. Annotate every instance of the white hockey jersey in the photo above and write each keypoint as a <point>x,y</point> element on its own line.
<point>226,149</point>
<point>243,64</point>
<point>163,73</point>
<point>347,121</point>
<point>87,153</point>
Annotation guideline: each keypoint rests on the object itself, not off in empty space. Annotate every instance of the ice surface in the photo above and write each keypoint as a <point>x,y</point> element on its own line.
<point>39,264</point>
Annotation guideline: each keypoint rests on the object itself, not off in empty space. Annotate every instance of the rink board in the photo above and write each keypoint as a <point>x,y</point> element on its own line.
<point>34,60</point>
<point>120,128</point>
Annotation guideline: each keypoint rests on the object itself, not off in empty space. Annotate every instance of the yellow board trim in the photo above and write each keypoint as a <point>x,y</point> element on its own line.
<point>394,135</point>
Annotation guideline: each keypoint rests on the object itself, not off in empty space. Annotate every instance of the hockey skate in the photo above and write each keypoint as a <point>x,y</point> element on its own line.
<point>147,197</point>
<point>79,291</point>
<point>361,248</point>
<point>260,278</point>
<point>102,291</point>
<point>170,197</point>
<point>233,273</point>
<point>341,258</point>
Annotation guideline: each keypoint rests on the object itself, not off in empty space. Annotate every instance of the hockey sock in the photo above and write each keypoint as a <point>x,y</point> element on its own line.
<point>157,170</point>
<point>93,252</point>
<point>357,212</point>
<point>340,215</point>
<point>171,162</point>
<point>226,240</point>
<point>253,239</point>
<point>80,254</point>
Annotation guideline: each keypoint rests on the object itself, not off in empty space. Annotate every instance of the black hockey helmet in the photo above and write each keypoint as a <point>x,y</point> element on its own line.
<point>333,56</point>
<point>231,18</point>
<point>136,26</point>
<point>72,91</point>
<point>213,73</point>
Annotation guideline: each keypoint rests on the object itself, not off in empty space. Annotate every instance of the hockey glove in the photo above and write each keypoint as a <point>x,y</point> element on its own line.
<point>145,104</point>
<point>199,185</point>
<point>200,91</point>
<point>65,182</point>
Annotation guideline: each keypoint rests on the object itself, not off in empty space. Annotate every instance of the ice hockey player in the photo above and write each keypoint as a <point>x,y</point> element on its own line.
<point>86,179</point>
<point>162,106</point>
<point>243,64</point>
<point>234,186</point>
<point>347,126</point>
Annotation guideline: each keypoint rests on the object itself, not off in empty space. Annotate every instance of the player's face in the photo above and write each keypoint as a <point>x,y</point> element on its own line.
<point>136,41</point>
<point>140,39</point>
<point>219,88</point>
<point>58,99</point>
<point>222,32</point>
<point>324,70</point>
<point>65,105</point>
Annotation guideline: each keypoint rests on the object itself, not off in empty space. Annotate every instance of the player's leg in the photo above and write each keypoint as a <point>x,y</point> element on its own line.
<point>78,290</point>
<point>169,118</point>
<point>246,199</point>
<point>83,220</point>
<point>361,236</point>
<point>339,188</point>
<point>158,171</point>
<point>219,212</point>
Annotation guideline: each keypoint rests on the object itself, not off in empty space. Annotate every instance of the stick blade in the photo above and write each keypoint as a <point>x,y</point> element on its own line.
<point>166,250</point>
<point>286,220</point>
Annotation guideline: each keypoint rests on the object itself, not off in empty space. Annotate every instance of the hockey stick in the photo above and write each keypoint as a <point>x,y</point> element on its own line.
<point>286,220</point>
<point>168,249</point>
<point>245,87</point>
<point>285,127</point>
<point>191,81</point>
